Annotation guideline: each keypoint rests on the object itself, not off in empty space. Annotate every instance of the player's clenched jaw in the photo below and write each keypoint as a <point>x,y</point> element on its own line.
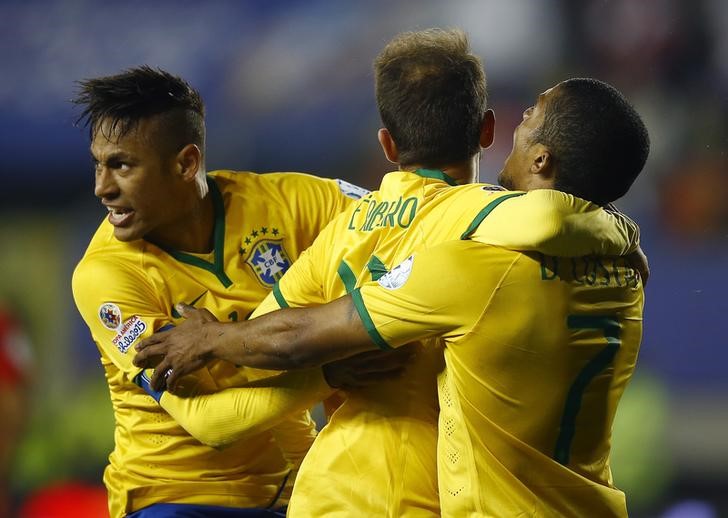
<point>135,180</point>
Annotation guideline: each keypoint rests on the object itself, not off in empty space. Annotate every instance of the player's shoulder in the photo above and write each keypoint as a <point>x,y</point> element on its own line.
<point>107,258</point>
<point>226,177</point>
<point>474,194</point>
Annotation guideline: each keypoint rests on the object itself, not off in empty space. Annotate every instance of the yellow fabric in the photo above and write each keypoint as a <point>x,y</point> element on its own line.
<point>520,329</point>
<point>155,459</point>
<point>566,225</point>
<point>229,415</point>
<point>377,453</point>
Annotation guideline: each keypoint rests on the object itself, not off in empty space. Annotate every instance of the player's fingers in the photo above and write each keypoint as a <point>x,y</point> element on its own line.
<point>147,361</point>
<point>150,340</point>
<point>172,378</point>
<point>185,310</point>
<point>189,312</point>
<point>159,378</point>
<point>145,357</point>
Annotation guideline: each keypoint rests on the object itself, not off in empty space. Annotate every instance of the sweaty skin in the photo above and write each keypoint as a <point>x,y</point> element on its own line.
<point>291,338</point>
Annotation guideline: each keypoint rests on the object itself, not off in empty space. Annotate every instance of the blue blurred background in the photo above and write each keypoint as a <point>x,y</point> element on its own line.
<point>288,86</point>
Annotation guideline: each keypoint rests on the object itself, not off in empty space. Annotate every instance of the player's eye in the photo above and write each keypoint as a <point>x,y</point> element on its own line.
<point>119,165</point>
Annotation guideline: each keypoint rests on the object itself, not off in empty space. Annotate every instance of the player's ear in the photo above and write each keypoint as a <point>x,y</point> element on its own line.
<point>388,145</point>
<point>189,161</point>
<point>542,163</point>
<point>487,129</point>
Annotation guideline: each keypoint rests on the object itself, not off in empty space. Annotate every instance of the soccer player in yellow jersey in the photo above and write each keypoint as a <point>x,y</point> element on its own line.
<point>220,240</point>
<point>413,209</point>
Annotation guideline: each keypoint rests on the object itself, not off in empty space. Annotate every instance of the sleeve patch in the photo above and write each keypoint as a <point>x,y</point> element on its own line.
<point>350,190</point>
<point>397,276</point>
<point>110,315</point>
<point>128,333</point>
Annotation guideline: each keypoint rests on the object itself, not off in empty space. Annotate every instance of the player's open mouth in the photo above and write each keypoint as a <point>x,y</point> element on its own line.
<point>119,216</point>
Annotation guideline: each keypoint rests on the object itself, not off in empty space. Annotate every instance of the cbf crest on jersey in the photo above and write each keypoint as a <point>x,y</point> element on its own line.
<point>269,261</point>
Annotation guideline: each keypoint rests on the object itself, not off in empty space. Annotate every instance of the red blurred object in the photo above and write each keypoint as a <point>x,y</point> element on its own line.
<point>66,500</point>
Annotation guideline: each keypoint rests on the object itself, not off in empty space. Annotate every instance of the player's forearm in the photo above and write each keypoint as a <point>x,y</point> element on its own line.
<point>232,414</point>
<point>292,338</point>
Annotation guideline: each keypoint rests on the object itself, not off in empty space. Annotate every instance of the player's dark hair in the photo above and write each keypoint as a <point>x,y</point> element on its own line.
<point>124,99</point>
<point>431,95</point>
<point>597,139</point>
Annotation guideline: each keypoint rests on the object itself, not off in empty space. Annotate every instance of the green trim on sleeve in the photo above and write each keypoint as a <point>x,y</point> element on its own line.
<point>347,276</point>
<point>485,211</point>
<point>280,299</point>
<point>377,268</point>
<point>366,319</point>
<point>436,173</point>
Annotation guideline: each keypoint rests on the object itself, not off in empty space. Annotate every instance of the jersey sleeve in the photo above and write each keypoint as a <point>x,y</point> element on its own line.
<point>314,201</point>
<point>302,285</point>
<point>119,306</point>
<point>223,417</point>
<point>429,294</point>
<point>554,223</point>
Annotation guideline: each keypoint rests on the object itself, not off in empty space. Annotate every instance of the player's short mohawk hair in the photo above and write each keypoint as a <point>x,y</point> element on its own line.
<point>137,93</point>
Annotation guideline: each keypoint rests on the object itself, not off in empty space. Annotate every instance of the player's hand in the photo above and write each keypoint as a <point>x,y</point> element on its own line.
<point>367,368</point>
<point>639,262</point>
<point>178,351</point>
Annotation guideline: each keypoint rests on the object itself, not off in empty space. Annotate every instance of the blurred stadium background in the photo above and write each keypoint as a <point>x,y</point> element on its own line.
<point>288,86</point>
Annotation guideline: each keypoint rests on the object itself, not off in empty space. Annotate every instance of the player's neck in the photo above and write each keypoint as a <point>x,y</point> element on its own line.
<point>463,172</point>
<point>201,226</point>
<point>194,230</point>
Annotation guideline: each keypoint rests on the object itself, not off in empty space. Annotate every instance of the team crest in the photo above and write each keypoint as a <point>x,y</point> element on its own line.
<point>269,261</point>
<point>110,315</point>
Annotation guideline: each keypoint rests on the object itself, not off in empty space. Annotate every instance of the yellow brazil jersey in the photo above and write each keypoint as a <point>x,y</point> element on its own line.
<point>538,350</point>
<point>377,453</point>
<point>126,291</point>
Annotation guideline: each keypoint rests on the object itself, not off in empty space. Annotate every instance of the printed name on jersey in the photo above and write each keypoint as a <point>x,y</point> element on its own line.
<point>269,261</point>
<point>129,333</point>
<point>350,190</point>
<point>398,275</point>
<point>110,315</point>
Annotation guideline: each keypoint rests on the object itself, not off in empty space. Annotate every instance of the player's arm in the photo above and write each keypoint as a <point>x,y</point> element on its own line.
<point>253,408</point>
<point>292,338</point>
<point>234,413</point>
<point>304,337</point>
<point>554,223</point>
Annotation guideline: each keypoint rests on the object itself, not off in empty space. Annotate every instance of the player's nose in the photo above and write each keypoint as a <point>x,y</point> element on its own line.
<point>105,186</point>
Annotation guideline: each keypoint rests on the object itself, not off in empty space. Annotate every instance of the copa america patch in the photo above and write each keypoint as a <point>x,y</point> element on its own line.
<point>269,261</point>
<point>398,275</point>
<point>129,333</point>
<point>490,187</point>
<point>350,190</point>
<point>110,315</point>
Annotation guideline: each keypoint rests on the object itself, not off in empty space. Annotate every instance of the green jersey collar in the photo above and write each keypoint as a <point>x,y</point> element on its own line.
<point>218,266</point>
<point>437,174</point>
